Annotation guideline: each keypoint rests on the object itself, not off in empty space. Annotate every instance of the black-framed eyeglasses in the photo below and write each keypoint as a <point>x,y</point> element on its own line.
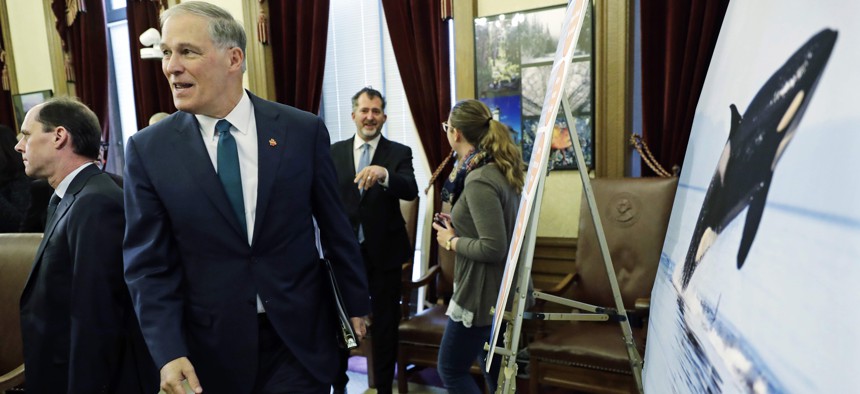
<point>445,127</point>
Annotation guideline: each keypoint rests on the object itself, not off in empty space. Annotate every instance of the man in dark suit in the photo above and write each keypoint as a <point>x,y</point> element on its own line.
<point>79,328</point>
<point>220,252</point>
<point>374,174</point>
<point>40,194</point>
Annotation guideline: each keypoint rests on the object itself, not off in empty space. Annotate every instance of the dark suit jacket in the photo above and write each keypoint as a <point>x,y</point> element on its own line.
<point>378,210</point>
<point>40,194</point>
<point>191,272</point>
<point>79,328</point>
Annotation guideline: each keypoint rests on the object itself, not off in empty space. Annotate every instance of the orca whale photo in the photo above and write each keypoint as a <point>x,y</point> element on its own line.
<point>756,141</point>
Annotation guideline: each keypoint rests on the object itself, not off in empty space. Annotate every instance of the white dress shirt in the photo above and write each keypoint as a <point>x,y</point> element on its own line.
<point>244,128</point>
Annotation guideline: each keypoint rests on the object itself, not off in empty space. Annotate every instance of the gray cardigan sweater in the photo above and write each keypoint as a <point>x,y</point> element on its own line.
<point>483,218</point>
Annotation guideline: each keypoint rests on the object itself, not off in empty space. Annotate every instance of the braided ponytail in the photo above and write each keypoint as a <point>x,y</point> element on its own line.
<point>477,125</point>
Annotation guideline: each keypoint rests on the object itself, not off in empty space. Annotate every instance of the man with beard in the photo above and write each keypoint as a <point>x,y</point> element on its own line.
<point>374,174</point>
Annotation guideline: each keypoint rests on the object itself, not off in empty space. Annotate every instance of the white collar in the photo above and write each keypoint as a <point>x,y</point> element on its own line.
<point>239,117</point>
<point>60,191</point>
<point>357,142</point>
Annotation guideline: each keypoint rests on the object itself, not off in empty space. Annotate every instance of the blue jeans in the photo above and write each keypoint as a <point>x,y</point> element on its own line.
<point>460,347</point>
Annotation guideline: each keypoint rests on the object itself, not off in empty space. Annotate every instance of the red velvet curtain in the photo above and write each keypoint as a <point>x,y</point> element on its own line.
<point>298,34</point>
<point>151,90</point>
<point>85,41</point>
<point>419,37</point>
<point>7,114</point>
<point>678,39</point>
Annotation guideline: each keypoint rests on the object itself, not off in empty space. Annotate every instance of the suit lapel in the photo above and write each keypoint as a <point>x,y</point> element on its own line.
<point>269,132</point>
<point>349,155</point>
<point>347,161</point>
<point>188,148</point>
<point>381,151</point>
<point>75,187</point>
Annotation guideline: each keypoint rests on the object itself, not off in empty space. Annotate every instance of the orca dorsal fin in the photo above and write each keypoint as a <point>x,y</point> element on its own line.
<point>736,119</point>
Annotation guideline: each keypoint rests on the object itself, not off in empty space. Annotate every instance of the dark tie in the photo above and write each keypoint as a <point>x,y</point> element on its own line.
<point>52,207</point>
<point>228,171</point>
<point>363,161</point>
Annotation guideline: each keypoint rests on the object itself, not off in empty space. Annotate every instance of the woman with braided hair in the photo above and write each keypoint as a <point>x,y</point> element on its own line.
<point>484,190</point>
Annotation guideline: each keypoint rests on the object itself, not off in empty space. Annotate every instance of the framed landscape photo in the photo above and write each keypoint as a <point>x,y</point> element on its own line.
<point>25,101</point>
<point>513,60</point>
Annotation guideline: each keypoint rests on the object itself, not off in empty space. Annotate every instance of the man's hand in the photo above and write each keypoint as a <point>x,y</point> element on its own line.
<point>359,326</point>
<point>369,176</point>
<point>174,372</point>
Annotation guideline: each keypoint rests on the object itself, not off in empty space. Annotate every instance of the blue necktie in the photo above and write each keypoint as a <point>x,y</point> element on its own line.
<point>363,161</point>
<point>228,171</point>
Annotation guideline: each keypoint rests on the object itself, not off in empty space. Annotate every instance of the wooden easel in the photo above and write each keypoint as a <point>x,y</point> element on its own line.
<point>525,232</point>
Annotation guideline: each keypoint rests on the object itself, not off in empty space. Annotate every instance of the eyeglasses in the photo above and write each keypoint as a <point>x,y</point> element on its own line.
<point>445,127</point>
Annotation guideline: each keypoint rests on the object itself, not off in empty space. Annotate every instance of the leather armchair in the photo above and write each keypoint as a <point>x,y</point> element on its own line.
<point>592,356</point>
<point>421,334</point>
<point>16,259</point>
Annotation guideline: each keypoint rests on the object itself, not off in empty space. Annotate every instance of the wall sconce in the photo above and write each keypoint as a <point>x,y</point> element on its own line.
<point>150,39</point>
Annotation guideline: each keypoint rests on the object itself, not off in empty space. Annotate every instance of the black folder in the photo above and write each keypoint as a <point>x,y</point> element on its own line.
<point>346,335</point>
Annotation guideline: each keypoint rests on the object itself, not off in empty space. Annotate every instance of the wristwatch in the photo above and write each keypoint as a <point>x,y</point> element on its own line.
<point>448,243</point>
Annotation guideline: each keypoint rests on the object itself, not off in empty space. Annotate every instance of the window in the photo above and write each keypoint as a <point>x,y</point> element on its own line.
<point>359,54</point>
<point>123,116</point>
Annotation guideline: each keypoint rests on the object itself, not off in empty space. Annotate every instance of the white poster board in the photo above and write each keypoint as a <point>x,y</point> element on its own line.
<point>757,285</point>
<point>540,154</point>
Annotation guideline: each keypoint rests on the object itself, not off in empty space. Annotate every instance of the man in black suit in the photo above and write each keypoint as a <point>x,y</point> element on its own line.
<point>40,193</point>
<point>221,199</point>
<point>374,174</point>
<point>79,328</point>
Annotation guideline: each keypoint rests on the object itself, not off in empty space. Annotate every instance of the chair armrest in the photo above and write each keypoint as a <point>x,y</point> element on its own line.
<point>12,378</point>
<point>406,271</point>
<point>643,304</point>
<point>639,314</point>
<point>407,285</point>
<point>422,281</point>
<point>405,296</point>
<point>560,287</point>
<point>558,290</point>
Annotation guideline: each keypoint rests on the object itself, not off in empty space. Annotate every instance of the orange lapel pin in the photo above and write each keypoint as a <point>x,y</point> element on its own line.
<point>272,142</point>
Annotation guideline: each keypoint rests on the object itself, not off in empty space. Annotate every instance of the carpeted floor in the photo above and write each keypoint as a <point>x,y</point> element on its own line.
<point>424,382</point>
